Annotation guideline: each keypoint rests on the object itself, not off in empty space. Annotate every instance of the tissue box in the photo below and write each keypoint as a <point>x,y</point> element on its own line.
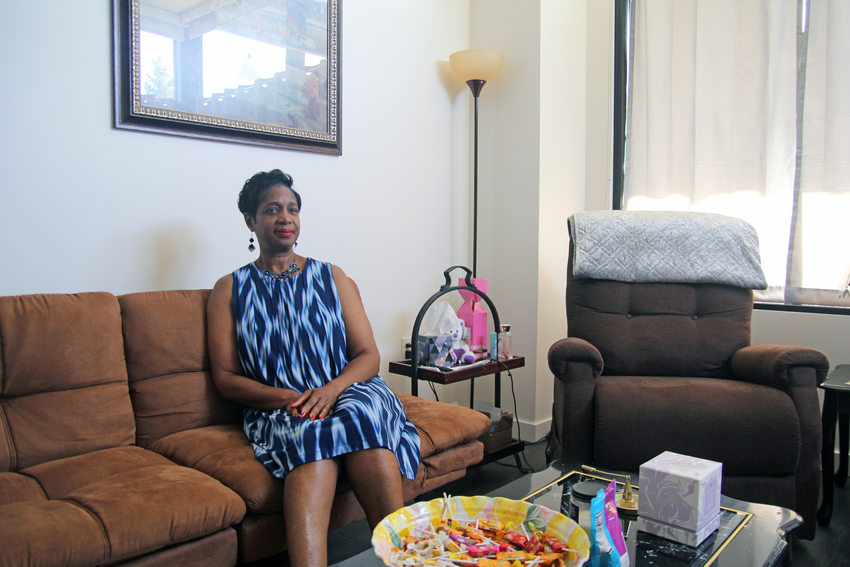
<point>679,497</point>
<point>434,350</point>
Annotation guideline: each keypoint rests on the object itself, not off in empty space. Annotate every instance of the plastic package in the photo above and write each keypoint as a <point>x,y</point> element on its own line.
<point>607,545</point>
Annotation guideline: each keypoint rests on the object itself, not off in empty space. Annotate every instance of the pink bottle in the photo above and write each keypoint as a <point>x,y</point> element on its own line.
<point>474,315</point>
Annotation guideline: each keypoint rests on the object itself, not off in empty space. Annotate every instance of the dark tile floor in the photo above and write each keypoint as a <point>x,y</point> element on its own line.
<point>831,546</point>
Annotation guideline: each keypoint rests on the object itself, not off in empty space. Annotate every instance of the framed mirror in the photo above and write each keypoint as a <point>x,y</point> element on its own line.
<point>261,72</point>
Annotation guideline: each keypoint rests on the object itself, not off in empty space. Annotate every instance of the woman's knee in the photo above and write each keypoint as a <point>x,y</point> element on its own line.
<point>374,457</point>
<point>313,476</point>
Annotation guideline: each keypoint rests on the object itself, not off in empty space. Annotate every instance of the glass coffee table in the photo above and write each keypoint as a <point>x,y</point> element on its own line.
<point>749,534</point>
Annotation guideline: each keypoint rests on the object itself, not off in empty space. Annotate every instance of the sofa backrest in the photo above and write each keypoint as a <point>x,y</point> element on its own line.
<point>165,342</point>
<point>63,381</point>
<point>660,329</point>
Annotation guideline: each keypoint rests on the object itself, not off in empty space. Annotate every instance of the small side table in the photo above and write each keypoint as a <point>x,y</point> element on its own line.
<point>460,374</point>
<point>836,408</point>
<point>457,374</point>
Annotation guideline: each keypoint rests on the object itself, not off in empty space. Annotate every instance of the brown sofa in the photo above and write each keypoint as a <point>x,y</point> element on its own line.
<point>115,447</point>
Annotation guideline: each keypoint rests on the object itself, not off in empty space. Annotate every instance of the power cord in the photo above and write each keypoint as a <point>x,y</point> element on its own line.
<point>434,390</point>
<point>518,429</point>
<point>519,466</point>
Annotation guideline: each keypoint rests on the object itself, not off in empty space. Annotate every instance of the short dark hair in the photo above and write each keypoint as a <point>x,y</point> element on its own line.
<point>256,187</point>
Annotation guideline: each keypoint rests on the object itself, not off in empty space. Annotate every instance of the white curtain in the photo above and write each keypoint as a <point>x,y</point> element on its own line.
<point>720,106</point>
<point>820,253</point>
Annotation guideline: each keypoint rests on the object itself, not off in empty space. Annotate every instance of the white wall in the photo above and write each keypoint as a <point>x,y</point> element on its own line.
<point>533,158</point>
<point>509,184</point>
<point>564,121</point>
<point>86,207</point>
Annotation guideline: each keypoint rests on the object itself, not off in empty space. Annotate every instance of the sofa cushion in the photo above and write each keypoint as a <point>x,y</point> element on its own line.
<point>453,459</point>
<point>223,452</point>
<point>114,504</point>
<point>15,487</point>
<point>63,381</point>
<point>442,425</point>
<point>168,364</point>
<point>52,532</point>
<point>178,402</point>
<point>216,550</point>
<point>60,477</point>
<point>738,423</point>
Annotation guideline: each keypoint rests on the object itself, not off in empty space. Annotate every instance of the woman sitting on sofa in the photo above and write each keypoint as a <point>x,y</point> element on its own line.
<point>289,339</point>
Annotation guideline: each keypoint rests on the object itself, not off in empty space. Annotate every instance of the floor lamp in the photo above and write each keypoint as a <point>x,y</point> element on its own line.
<point>475,67</point>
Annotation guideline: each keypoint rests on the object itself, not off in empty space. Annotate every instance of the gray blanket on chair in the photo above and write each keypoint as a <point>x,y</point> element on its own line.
<point>656,246</point>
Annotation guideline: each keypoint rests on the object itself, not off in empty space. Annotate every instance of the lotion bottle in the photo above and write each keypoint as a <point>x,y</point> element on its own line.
<point>505,346</point>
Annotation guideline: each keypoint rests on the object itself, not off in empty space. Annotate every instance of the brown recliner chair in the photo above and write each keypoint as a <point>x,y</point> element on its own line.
<point>653,366</point>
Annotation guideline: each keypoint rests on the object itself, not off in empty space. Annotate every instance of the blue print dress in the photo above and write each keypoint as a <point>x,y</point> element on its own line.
<point>290,334</point>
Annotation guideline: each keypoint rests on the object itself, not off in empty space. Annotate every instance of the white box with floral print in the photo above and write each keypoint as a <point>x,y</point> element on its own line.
<point>679,497</point>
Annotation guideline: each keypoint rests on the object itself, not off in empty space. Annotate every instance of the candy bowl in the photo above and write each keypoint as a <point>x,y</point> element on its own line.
<point>456,530</point>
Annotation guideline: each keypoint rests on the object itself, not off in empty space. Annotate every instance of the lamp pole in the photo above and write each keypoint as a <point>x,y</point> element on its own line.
<point>475,85</point>
<point>475,67</point>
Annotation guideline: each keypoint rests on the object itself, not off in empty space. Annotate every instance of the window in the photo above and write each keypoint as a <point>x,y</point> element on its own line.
<point>743,108</point>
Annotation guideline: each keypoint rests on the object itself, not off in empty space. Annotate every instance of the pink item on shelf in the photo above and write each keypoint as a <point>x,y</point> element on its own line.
<point>474,315</point>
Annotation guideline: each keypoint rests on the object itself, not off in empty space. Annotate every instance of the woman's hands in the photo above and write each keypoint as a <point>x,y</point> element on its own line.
<point>363,358</point>
<point>316,403</point>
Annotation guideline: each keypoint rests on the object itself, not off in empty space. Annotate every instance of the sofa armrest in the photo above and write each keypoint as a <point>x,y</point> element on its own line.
<point>576,364</point>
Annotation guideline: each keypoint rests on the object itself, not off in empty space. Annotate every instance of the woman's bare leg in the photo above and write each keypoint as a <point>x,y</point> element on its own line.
<point>376,481</point>
<point>308,493</point>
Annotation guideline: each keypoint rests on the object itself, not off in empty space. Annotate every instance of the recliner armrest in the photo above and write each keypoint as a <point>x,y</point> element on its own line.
<point>576,364</point>
<point>797,371</point>
<point>565,353</point>
<point>775,365</point>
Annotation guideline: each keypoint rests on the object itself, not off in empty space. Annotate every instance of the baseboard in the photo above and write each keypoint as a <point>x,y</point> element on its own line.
<point>532,432</point>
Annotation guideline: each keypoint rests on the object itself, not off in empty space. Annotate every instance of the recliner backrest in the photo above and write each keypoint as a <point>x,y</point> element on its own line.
<point>660,329</point>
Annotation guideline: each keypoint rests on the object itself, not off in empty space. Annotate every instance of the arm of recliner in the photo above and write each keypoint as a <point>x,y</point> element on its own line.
<point>780,366</point>
<point>797,371</point>
<point>576,364</point>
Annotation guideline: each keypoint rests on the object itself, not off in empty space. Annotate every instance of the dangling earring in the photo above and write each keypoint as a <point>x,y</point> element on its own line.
<point>296,244</point>
<point>251,246</point>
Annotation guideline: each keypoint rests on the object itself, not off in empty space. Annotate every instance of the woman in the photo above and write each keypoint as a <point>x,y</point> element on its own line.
<point>289,340</point>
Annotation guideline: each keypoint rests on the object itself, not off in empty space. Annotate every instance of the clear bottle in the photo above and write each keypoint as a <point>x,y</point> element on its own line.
<point>505,346</point>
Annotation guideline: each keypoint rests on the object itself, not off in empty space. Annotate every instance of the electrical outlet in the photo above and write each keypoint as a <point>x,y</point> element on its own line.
<point>406,353</point>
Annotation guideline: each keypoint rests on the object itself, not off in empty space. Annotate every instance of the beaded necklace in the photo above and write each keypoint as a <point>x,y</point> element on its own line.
<point>286,274</point>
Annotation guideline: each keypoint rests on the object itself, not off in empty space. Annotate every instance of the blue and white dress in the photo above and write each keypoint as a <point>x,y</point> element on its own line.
<point>290,334</point>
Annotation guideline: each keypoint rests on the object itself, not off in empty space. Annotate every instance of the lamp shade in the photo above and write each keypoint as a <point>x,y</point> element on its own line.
<point>476,64</point>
